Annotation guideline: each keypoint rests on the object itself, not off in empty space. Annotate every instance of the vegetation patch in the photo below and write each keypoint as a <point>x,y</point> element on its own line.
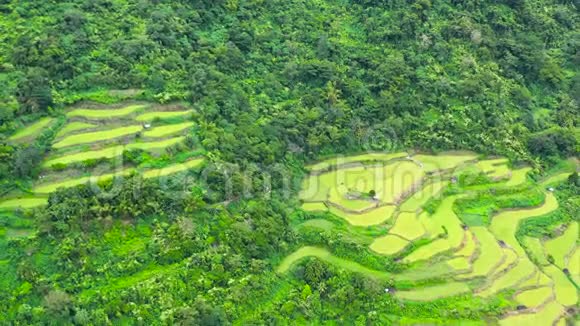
<point>31,130</point>
<point>434,292</point>
<point>96,136</point>
<point>74,126</point>
<point>114,151</point>
<point>559,248</point>
<point>547,315</point>
<point>167,130</point>
<point>22,203</point>
<point>150,116</point>
<point>104,114</point>
<point>389,244</point>
<point>534,297</point>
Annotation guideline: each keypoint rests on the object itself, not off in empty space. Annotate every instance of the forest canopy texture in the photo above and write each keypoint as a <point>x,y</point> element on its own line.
<point>274,84</point>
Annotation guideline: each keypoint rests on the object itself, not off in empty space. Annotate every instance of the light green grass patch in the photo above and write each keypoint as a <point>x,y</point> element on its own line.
<point>420,198</point>
<point>104,114</point>
<point>459,263</point>
<point>427,251</point>
<point>389,245</point>
<point>326,256</point>
<point>372,217</point>
<point>555,179</point>
<point>563,245</point>
<point>574,266</point>
<point>505,224</point>
<point>434,292</point>
<point>96,136</point>
<point>31,130</point>
<point>52,187</point>
<point>23,203</point>
<point>74,126</point>
<point>518,177</point>
<point>433,163</point>
<point>521,272</point>
<point>314,207</point>
<point>510,257</point>
<point>490,253</point>
<point>407,226</point>
<point>111,152</point>
<point>150,116</point>
<point>545,316</point>
<point>167,130</point>
<point>536,249</point>
<point>534,297</point>
<point>444,217</point>
<point>369,157</point>
<point>318,223</point>
<point>469,246</point>
<point>566,292</point>
<point>172,169</point>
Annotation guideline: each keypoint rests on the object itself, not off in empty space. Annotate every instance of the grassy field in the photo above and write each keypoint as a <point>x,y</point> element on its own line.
<point>104,114</point>
<point>150,116</point>
<point>111,152</point>
<point>74,126</point>
<point>52,187</point>
<point>22,203</point>
<point>163,131</point>
<point>459,264</point>
<point>31,130</point>
<point>574,266</point>
<point>96,136</point>
<point>434,292</point>
<point>389,245</point>
<point>534,297</point>
<point>563,245</point>
<point>443,219</point>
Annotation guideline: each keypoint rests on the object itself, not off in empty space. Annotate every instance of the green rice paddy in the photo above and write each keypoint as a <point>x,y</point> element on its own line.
<point>31,130</point>
<point>563,245</point>
<point>434,292</point>
<point>111,152</point>
<point>96,136</point>
<point>166,130</point>
<point>150,116</point>
<point>74,126</point>
<point>22,203</point>
<point>534,297</point>
<point>544,316</point>
<point>389,244</point>
<point>106,113</point>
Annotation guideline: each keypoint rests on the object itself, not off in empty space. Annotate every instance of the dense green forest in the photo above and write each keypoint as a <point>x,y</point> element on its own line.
<point>274,85</point>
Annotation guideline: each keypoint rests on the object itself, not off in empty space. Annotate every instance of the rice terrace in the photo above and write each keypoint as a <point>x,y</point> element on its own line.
<point>91,138</point>
<point>452,222</point>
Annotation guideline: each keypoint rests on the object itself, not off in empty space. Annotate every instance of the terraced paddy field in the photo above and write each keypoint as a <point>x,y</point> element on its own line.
<point>31,130</point>
<point>439,256</point>
<point>79,140</point>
